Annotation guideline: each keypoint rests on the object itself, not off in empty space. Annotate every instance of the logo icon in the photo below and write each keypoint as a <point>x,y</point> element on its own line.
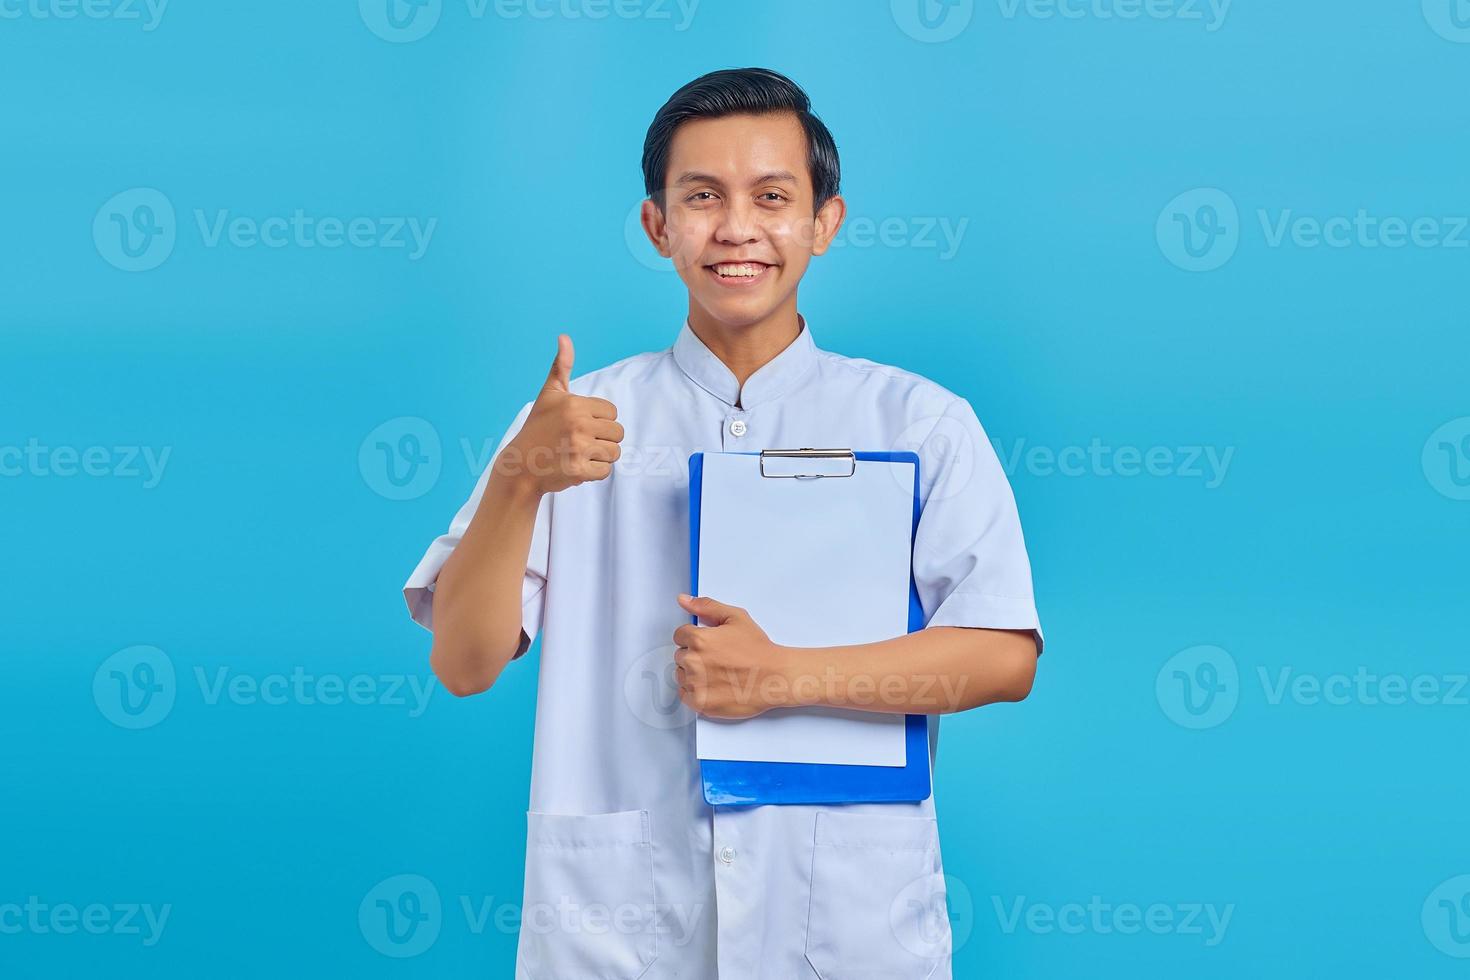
<point>1446,459</point>
<point>1198,687</point>
<point>135,687</point>
<point>937,439</point>
<point>401,916</point>
<point>932,21</point>
<point>401,459</point>
<point>933,916</point>
<point>651,689</point>
<point>135,230</point>
<point>1199,230</point>
<point>1450,19</point>
<point>1446,917</point>
<point>638,244</point>
<point>400,21</point>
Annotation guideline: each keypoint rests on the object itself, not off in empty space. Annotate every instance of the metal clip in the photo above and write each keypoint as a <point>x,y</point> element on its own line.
<point>847,454</point>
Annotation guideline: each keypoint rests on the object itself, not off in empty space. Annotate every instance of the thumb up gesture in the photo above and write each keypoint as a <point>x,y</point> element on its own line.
<point>567,439</point>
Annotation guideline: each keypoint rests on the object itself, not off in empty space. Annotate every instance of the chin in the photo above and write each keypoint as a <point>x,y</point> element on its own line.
<point>737,307</point>
<point>738,314</point>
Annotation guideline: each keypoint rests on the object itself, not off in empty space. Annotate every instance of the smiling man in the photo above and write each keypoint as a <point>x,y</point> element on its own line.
<point>629,873</point>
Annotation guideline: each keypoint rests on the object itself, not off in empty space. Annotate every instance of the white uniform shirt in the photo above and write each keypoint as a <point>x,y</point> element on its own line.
<point>629,873</point>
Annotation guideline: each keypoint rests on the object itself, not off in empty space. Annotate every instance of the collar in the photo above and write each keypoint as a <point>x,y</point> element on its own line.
<point>772,380</point>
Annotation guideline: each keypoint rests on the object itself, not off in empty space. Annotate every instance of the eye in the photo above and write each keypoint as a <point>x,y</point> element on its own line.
<point>700,197</point>
<point>775,197</point>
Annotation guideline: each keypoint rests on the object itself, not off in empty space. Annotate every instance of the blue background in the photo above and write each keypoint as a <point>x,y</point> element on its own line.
<point>1335,540</point>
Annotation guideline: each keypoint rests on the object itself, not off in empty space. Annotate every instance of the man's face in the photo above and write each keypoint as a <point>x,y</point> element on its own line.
<point>737,218</point>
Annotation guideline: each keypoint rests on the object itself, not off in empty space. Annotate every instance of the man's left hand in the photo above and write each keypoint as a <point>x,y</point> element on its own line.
<point>727,668</point>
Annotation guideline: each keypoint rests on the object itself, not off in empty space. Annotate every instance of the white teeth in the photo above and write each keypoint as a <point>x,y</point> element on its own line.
<point>743,270</point>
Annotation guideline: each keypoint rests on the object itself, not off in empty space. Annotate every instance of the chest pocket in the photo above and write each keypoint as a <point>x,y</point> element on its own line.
<point>589,911</point>
<point>878,908</point>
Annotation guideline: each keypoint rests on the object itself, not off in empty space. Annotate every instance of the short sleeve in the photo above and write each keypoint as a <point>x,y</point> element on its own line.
<point>418,591</point>
<point>970,562</point>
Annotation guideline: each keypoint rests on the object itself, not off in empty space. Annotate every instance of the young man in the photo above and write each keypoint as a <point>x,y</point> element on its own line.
<point>629,873</point>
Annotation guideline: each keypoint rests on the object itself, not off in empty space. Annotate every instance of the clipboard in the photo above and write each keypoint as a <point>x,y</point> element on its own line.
<point>730,782</point>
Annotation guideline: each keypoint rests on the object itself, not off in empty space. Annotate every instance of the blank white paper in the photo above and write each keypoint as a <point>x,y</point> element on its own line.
<point>818,563</point>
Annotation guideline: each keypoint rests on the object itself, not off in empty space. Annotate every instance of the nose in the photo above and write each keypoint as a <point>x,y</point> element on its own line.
<point>738,224</point>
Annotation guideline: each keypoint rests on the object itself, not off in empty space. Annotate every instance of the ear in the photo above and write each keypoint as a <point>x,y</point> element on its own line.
<point>828,219</point>
<point>656,227</point>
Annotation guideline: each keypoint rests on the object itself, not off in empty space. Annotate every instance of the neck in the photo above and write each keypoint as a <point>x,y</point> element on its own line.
<point>746,349</point>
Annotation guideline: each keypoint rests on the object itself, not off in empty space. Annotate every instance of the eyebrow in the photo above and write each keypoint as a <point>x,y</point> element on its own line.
<point>776,177</point>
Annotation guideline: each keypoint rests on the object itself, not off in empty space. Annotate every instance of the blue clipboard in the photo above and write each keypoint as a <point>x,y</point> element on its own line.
<point>731,783</point>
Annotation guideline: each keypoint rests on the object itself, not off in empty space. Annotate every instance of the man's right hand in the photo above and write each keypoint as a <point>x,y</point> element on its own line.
<point>567,439</point>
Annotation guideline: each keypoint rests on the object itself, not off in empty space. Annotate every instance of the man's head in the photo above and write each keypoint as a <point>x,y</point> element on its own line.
<point>742,181</point>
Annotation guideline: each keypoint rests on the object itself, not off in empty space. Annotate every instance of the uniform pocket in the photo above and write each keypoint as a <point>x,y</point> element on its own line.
<point>588,912</point>
<point>877,898</point>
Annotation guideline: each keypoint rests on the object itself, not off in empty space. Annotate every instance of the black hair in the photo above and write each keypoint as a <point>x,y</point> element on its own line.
<point>729,92</point>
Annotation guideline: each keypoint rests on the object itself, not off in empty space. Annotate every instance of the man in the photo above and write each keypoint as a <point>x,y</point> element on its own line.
<point>629,873</point>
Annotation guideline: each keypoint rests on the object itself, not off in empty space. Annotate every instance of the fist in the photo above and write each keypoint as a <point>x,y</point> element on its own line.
<point>728,668</point>
<point>567,439</point>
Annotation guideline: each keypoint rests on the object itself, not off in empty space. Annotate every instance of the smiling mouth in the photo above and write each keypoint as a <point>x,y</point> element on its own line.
<point>738,273</point>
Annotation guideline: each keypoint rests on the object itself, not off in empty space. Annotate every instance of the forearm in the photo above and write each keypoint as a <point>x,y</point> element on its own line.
<point>932,671</point>
<point>477,598</point>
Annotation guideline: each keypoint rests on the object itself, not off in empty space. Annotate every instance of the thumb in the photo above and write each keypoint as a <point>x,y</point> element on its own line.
<point>560,377</point>
<point>711,612</point>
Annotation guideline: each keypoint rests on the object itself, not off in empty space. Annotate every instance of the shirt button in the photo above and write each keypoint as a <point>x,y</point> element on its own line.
<point>737,427</point>
<point>727,855</point>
